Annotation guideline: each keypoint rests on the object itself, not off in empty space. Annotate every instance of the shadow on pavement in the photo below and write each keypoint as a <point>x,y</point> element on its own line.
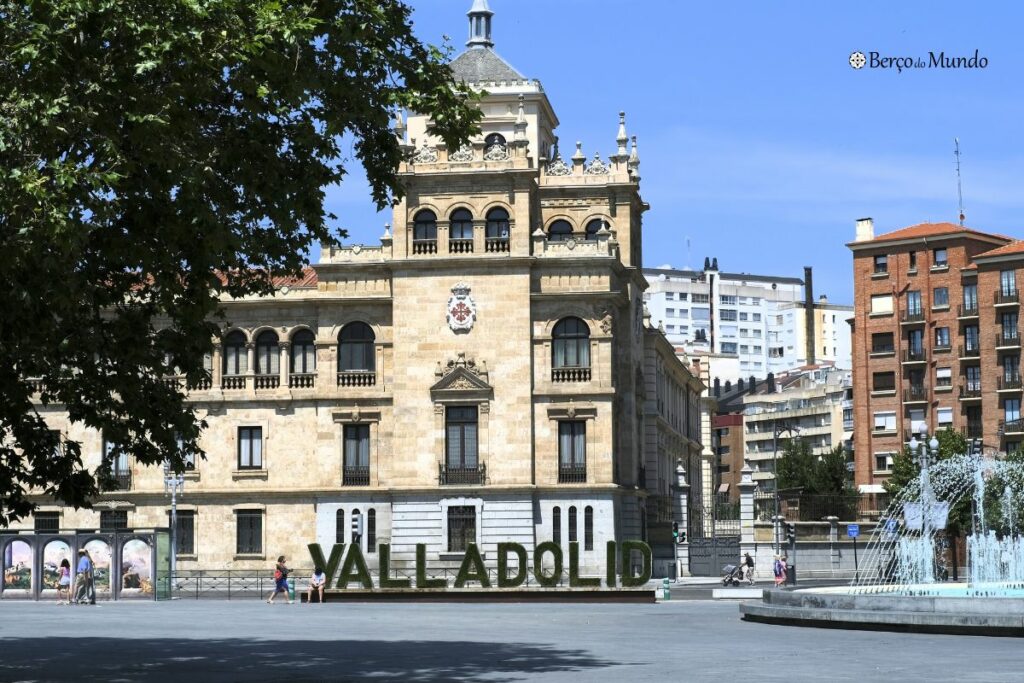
<point>296,661</point>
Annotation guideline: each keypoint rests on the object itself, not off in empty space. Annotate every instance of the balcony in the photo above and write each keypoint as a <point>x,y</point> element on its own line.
<point>424,246</point>
<point>970,351</point>
<point>882,351</point>
<point>570,374</point>
<point>302,380</point>
<point>355,476</point>
<point>914,356</point>
<point>916,394</point>
<point>122,480</point>
<point>914,316</point>
<point>942,346</point>
<point>1008,338</point>
<point>357,378</point>
<point>970,391</point>
<point>456,475</point>
<point>460,246</point>
<point>496,245</point>
<point>232,382</point>
<point>572,474</point>
<point>973,430</point>
<point>267,381</point>
<point>965,311</point>
<point>1009,383</point>
<point>1007,297</point>
<point>201,384</point>
<point>1007,427</point>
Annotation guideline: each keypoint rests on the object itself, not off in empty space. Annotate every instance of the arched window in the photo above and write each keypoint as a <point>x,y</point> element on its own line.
<point>497,224</point>
<point>571,344</point>
<point>236,361</point>
<point>494,139</point>
<point>371,530</point>
<point>588,528</point>
<point>356,527</point>
<point>559,231</point>
<point>556,525</point>
<point>339,527</point>
<point>355,348</point>
<point>303,353</point>
<point>424,226</point>
<point>268,354</point>
<point>593,227</point>
<point>572,525</point>
<point>460,226</point>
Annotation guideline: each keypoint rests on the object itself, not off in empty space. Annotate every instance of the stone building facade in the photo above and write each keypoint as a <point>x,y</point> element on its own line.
<point>483,374</point>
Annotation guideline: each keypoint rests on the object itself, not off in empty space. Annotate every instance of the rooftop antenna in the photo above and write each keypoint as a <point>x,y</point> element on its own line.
<point>959,188</point>
<point>688,252</point>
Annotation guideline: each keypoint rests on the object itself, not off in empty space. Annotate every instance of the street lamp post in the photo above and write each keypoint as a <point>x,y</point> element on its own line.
<point>924,452</point>
<point>776,430</point>
<point>172,484</point>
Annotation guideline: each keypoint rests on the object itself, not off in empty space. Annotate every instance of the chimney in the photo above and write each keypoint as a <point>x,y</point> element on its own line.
<point>771,382</point>
<point>809,314</point>
<point>718,387</point>
<point>707,263</point>
<point>728,386</point>
<point>739,384</point>
<point>753,383</point>
<point>865,230</point>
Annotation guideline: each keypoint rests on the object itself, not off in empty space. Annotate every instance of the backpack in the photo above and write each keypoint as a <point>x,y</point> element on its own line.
<point>277,575</point>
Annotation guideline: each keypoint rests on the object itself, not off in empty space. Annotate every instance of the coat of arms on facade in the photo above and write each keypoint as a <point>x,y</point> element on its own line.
<point>461,309</point>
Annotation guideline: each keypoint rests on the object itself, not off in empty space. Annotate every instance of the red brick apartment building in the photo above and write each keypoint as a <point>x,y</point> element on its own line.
<point>936,340</point>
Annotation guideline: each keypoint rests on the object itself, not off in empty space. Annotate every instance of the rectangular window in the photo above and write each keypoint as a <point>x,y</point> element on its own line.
<point>939,258</point>
<point>727,300</point>
<point>944,417</point>
<point>573,525</point>
<point>942,337</point>
<point>883,381</point>
<point>250,448</point>
<point>971,337</point>
<point>881,342</point>
<point>670,328</point>
<point>728,347</point>
<point>670,312</point>
<point>970,297</point>
<point>914,302</point>
<point>943,377</point>
<point>46,522</point>
<point>701,298</point>
<point>185,532</point>
<point>885,422</point>
<point>883,462</point>
<point>1008,282</point>
<point>357,455</point>
<point>683,296</point>
<point>249,532</point>
<point>744,316</point>
<point>1011,368</point>
<point>755,317</point>
<point>915,341</point>
<point>461,527</point>
<point>461,437</point>
<point>727,314</point>
<point>940,297</point>
<point>572,451</point>
<point>973,376</point>
<point>881,264</point>
<point>744,348</point>
<point>670,296</point>
<point>588,528</point>
<point>113,520</point>
<point>700,313</point>
<point>881,303</point>
<point>683,313</point>
<point>913,261</point>
<point>1011,409</point>
<point>758,349</point>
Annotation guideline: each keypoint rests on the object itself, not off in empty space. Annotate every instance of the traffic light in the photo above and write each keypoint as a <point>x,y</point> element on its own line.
<point>675,530</point>
<point>790,533</point>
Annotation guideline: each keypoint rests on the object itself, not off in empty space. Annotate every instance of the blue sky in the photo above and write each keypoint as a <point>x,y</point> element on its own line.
<point>757,140</point>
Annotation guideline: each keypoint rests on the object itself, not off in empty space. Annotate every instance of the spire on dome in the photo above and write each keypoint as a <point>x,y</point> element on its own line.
<point>480,25</point>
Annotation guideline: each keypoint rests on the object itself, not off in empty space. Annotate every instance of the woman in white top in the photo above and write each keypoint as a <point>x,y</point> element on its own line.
<point>316,583</point>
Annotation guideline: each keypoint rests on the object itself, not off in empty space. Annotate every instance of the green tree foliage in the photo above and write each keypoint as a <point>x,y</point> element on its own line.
<point>154,156</point>
<point>800,468</point>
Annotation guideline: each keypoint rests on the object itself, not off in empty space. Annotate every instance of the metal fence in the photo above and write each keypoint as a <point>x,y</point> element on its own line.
<point>816,508</point>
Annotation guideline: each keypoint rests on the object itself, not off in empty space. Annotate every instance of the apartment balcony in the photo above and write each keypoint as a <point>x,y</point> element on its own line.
<point>357,378</point>
<point>570,374</point>
<point>882,351</point>
<point>122,480</point>
<point>302,380</point>
<point>1009,383</point>
<point>969,351</point>
<point>912,317</point>
<point>1011,427</point>
<point>971,391</point>
<point>916,394</point>
<point>915,356</point>
<point>967,311</point>
<point>355,475</point>
<point>572,474</point>
<point>973,430</point>
<point>1008,338</point>
<point>267,381</point>
<point>942,347</point>
<point>1007,297</point>
<point>459,475</point>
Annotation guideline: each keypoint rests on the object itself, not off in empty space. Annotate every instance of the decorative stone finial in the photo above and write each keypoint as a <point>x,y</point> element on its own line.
<point>399,127</point>
<point>621,138</point>
<point>634,161</point>
<point>579,156</point>
<point>520,124</point>
<point>387,232</point>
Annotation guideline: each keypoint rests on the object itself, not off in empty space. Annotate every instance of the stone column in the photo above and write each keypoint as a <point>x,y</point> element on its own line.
<point>218,366</point>
<point>285,364</point>
<point>250,358</point>
<point>681,515</point>
<point>747,486</point>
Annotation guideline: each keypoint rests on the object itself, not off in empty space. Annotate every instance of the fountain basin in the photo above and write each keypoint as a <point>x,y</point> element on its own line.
<point>892,610</point>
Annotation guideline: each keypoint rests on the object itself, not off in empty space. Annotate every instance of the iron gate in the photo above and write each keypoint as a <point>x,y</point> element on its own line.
<point>714,535</point>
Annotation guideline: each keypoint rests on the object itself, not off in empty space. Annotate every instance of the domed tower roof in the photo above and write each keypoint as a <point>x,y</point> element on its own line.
<point>480,63</point>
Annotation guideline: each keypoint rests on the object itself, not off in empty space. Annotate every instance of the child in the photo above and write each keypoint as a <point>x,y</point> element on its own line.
<point>316,583</point>
<point>64,583</point>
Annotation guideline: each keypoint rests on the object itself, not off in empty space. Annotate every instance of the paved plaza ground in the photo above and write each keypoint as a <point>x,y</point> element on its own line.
<point>691,640</point>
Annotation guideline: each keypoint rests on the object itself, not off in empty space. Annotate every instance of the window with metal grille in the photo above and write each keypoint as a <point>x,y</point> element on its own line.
<point>556,525</point>
<point>572,525</point>
<point>357,455</point>
<point>461,527</point>
<point>47,522</point>
<point>250,532</point>
<point>250,448</point>
<point>185,532</point>
<point>588,528</point>
<point>371,530</point>
<point>461,437</point>
<point>572,451</point>
<point>339,526</point>
<point>112,520</point>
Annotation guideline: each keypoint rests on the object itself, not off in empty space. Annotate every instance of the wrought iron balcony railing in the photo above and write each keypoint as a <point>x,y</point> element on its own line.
<point>454,475</point>
<point>572,474</point>
<point>355,476</point>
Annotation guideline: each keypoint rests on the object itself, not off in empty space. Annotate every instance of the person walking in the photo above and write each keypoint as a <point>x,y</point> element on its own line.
<point>316,583</point>
<point>64,583</point>
<point>82,577</point>
<point>748,564</point>
<point>280,581</point>
<point>779,569</point>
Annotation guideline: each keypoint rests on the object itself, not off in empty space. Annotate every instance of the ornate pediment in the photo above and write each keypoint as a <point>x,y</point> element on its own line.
<point>461,379</point>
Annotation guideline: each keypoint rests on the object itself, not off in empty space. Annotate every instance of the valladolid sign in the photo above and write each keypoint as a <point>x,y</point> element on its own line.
<point>472,570</point>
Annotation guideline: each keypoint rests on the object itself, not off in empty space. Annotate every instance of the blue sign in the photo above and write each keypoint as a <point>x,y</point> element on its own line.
<point>890,525</point>
<point>853,530</point>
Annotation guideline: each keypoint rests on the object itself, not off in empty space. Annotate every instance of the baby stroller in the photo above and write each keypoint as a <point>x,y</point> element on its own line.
<point>732,574</point>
